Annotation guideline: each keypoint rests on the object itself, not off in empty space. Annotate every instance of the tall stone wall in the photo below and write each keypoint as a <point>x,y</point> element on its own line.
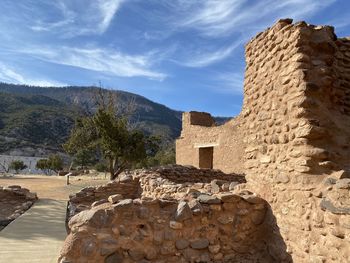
<point>296,103</point>
<point>199,131</point>
<point>296,118</point>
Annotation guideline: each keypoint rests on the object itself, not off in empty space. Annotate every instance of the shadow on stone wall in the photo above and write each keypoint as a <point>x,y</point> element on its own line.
<point>276,246</point>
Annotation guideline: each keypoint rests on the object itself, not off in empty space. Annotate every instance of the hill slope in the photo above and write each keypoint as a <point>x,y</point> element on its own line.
<point>37,120</point>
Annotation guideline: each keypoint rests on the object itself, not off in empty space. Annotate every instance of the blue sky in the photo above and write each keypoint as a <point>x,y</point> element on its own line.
<point>186,54</point>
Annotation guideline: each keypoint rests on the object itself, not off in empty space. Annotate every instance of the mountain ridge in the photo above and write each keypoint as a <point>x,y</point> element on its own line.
<point>35,120</point>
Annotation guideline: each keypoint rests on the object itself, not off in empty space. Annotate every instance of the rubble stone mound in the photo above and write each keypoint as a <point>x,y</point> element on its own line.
<point>14,201</point>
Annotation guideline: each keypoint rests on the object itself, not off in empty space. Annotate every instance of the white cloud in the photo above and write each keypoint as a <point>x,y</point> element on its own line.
<point>201,58</point>
<point>101,60</point>
<point>10,75</point>
<point>93,17</point>
<point>230,82</point>
<point>215,18</point>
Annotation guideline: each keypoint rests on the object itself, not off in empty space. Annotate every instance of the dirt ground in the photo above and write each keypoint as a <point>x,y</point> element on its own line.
<point>53,187</point>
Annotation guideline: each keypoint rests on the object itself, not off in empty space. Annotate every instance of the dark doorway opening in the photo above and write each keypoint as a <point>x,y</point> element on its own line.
<point>206,157</point>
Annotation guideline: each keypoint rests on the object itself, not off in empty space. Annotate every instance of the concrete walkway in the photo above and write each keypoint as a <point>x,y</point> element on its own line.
<point>37,235</point>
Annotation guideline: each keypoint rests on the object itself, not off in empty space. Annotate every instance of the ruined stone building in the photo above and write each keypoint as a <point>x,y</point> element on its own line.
<point>292,143</point>
<point>296,110</point>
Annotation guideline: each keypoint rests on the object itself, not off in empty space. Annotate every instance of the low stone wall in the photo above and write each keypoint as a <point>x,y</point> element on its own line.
<point>200,228</point>
<point>172,181</point>
<point>126,185</point>
<point>14,201</point>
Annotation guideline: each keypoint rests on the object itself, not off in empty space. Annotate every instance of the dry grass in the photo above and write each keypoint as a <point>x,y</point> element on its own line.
<point>53,187</point>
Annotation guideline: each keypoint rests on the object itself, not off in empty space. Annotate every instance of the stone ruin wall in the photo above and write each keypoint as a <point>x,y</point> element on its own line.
<point>14,201</point>
<point>295,129</point>
<point>294,143</point>
<point>198,130</point>
<point>296,103</point>
<point>296,114</point>
<point>181,215</point>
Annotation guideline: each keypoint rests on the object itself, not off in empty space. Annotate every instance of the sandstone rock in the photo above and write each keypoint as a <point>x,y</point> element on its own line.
<point>175,225</point>
<point>200,243</point>
<point>214,249</point>
<point>114,258</point>
<point>343,183</point>
<point>195,207</point>
<point>229,198</point>
<point>100,202</point>
<point>225,219</point>
<point>233,185</point>
<point>136,253</point>
<point>115,198</point>
<point>208,199</point>
<point>282,178</point>
<point>215,188</point>
<point>183,212</point>
<point>182,243</point>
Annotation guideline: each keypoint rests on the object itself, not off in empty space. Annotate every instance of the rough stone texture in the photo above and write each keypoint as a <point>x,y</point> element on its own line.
<point>14,201</point>
<point>226,140</point>
<point>293,137</point>
<point>294,133</point>
<point>172,181</point>
<point>117,233</point>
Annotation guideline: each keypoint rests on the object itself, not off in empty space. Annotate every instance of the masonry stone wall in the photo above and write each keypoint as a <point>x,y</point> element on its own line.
<point>205,228</point>
<point>297,135</point>
<point>295,129</point>
<point>199,131</point>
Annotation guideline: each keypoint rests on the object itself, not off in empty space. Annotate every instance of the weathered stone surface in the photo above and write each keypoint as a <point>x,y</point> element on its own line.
<point>183,212</point>
<point>14,201</point>
<point>114,258</point>
<point>200,243</point>
<point>208,199</point>
<point>182,243</point>
<point>115,198</point>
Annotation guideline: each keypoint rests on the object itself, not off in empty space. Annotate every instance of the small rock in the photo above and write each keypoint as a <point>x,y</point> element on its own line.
<point>99,202</point>
<point>200,243</point>
<point>214,187</point>
<point>114,258</point>
<point>233,186</point>
<point>343,183</point>
<point>136,254</point>
<point>195,207</point>
<point>214,249</point>
<point>225,219</point>
<point>126,203</point>
<point>208,199</point>
<point>175,225</point>
<point>183,212</point>
<point>115,198</point>
<point>182,243</point>
<point>229,198</point>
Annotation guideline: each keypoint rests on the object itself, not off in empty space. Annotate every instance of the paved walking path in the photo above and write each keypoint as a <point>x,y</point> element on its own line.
<point>37,235</point>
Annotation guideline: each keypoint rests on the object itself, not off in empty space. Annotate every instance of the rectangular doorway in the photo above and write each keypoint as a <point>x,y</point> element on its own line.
<point>206,157</point>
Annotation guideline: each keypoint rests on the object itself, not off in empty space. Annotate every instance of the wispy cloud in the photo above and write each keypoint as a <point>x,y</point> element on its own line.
<point>10,75</point>
<point>230,82</point>
<point>102,60</point>
<point>215,18</point>
<point>202,58</point>
<point>72,20</point>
